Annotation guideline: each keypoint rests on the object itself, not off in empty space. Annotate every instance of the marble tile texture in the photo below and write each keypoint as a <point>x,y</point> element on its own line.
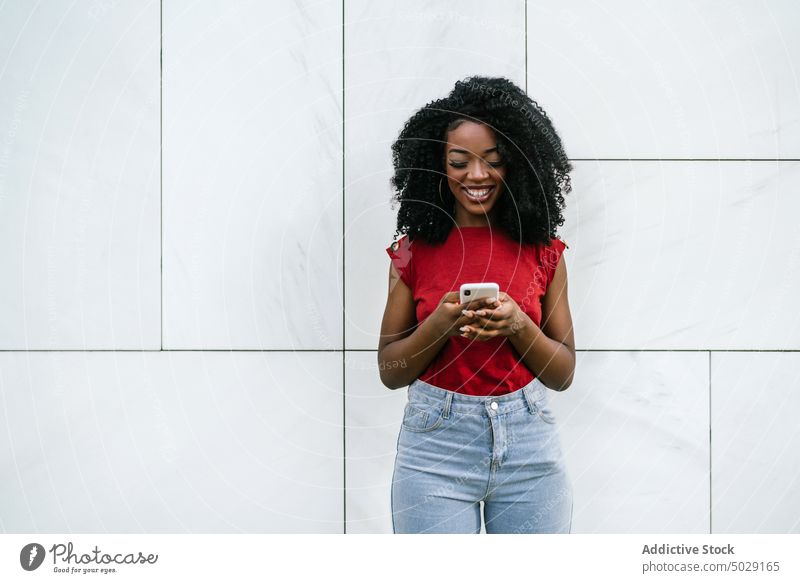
<point>166,442</point>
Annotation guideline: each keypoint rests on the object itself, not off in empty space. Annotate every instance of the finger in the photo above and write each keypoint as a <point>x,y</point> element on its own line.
<point>463,321</point>
<point>471,305</point>
<point>466,318</point>
<point>470,329</point>
<point>498,311</point>
<point>478,335</point>
<point>468,309</point>
<point>451,297</point>
<point>472,315</point>
<point>487,324</point>
<point>491,314</point>
<point>481,304</point>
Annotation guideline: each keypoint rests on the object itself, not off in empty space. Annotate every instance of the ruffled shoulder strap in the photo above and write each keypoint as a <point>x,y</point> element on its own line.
<point>401,254</point>
<point>550,257</point>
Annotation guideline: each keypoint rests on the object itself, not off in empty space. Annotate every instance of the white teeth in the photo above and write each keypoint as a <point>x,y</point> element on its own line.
<point>478,194</point>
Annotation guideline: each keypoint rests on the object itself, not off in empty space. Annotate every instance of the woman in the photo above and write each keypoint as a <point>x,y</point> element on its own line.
<point>480,177</point>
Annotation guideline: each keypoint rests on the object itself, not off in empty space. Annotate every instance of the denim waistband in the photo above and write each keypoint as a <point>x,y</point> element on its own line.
<point>527,396</point>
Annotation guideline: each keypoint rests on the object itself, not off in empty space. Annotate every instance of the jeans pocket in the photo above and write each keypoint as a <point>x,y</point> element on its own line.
<point>543,410</point>
<point>421,416</point>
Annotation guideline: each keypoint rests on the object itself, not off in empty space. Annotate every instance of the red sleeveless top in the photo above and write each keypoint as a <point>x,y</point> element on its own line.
<point>474,254</point>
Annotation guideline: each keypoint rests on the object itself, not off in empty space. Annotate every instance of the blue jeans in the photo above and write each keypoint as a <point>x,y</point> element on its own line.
<point>456,450</point>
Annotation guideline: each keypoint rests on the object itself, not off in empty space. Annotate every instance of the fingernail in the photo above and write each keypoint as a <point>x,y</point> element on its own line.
<point>463,328</point>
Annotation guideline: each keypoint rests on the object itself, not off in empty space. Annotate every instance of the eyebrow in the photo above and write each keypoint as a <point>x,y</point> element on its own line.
<point>465,152</point>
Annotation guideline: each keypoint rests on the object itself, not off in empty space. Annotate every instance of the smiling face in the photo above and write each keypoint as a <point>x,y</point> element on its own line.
<point>475,172</point>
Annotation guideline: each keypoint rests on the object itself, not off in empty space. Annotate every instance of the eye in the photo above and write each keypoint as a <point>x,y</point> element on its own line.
<point>495,164</point>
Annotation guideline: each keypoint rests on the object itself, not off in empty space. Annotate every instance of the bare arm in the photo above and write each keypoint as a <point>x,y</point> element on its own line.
<point>406,348</point>
<point>549,351</point>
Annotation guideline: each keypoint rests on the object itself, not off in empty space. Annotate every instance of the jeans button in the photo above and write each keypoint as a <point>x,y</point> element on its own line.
<point>494,405</point>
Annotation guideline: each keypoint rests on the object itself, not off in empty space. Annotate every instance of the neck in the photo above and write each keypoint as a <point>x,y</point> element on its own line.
<point>472,221</point>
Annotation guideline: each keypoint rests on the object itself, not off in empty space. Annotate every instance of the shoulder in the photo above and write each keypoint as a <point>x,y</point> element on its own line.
<point>554,249</point>
<point>550,257</point>
<point>401,247</point>
<point>401,251</point>
<point>403,242</point>
<point>557,243</point>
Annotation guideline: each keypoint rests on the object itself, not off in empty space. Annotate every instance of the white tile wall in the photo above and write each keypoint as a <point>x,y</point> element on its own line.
<point>372,425</point>
<point>171,442</point>
<point>681,79</point>
<point>79,176</point>
<point>635,439</point>
<point>252,175</point>
<point>684,255</point>
<point>755,442</point>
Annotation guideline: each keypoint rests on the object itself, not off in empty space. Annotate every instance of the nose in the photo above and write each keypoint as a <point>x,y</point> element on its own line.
<point>477,170</point>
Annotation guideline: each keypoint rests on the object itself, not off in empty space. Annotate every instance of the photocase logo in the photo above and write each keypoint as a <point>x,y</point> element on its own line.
<point>31,556</point>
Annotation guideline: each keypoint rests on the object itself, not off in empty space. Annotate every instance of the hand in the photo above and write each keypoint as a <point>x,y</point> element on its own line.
<point>507,319</point>
<point>447,318</point>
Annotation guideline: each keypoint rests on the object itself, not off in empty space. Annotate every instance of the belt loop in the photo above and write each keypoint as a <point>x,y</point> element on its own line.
<point>527,390</point>
<point>447,400</point>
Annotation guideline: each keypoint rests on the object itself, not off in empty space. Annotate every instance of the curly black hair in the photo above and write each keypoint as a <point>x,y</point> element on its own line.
<point>537,167</point>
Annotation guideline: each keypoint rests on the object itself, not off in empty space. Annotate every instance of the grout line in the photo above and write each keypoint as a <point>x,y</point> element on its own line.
<point>685,159</point>
<point>174,350</point>
<point>710,473</point>
<point>22,350</point>
<point>161,158</point>
<point>526,46</point>
<point>344,305</point>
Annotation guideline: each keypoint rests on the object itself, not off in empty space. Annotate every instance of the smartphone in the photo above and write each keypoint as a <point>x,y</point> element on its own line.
<point>470,292</point>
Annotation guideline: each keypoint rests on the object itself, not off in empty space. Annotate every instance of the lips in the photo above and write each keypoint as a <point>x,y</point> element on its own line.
<point>479,193</point>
